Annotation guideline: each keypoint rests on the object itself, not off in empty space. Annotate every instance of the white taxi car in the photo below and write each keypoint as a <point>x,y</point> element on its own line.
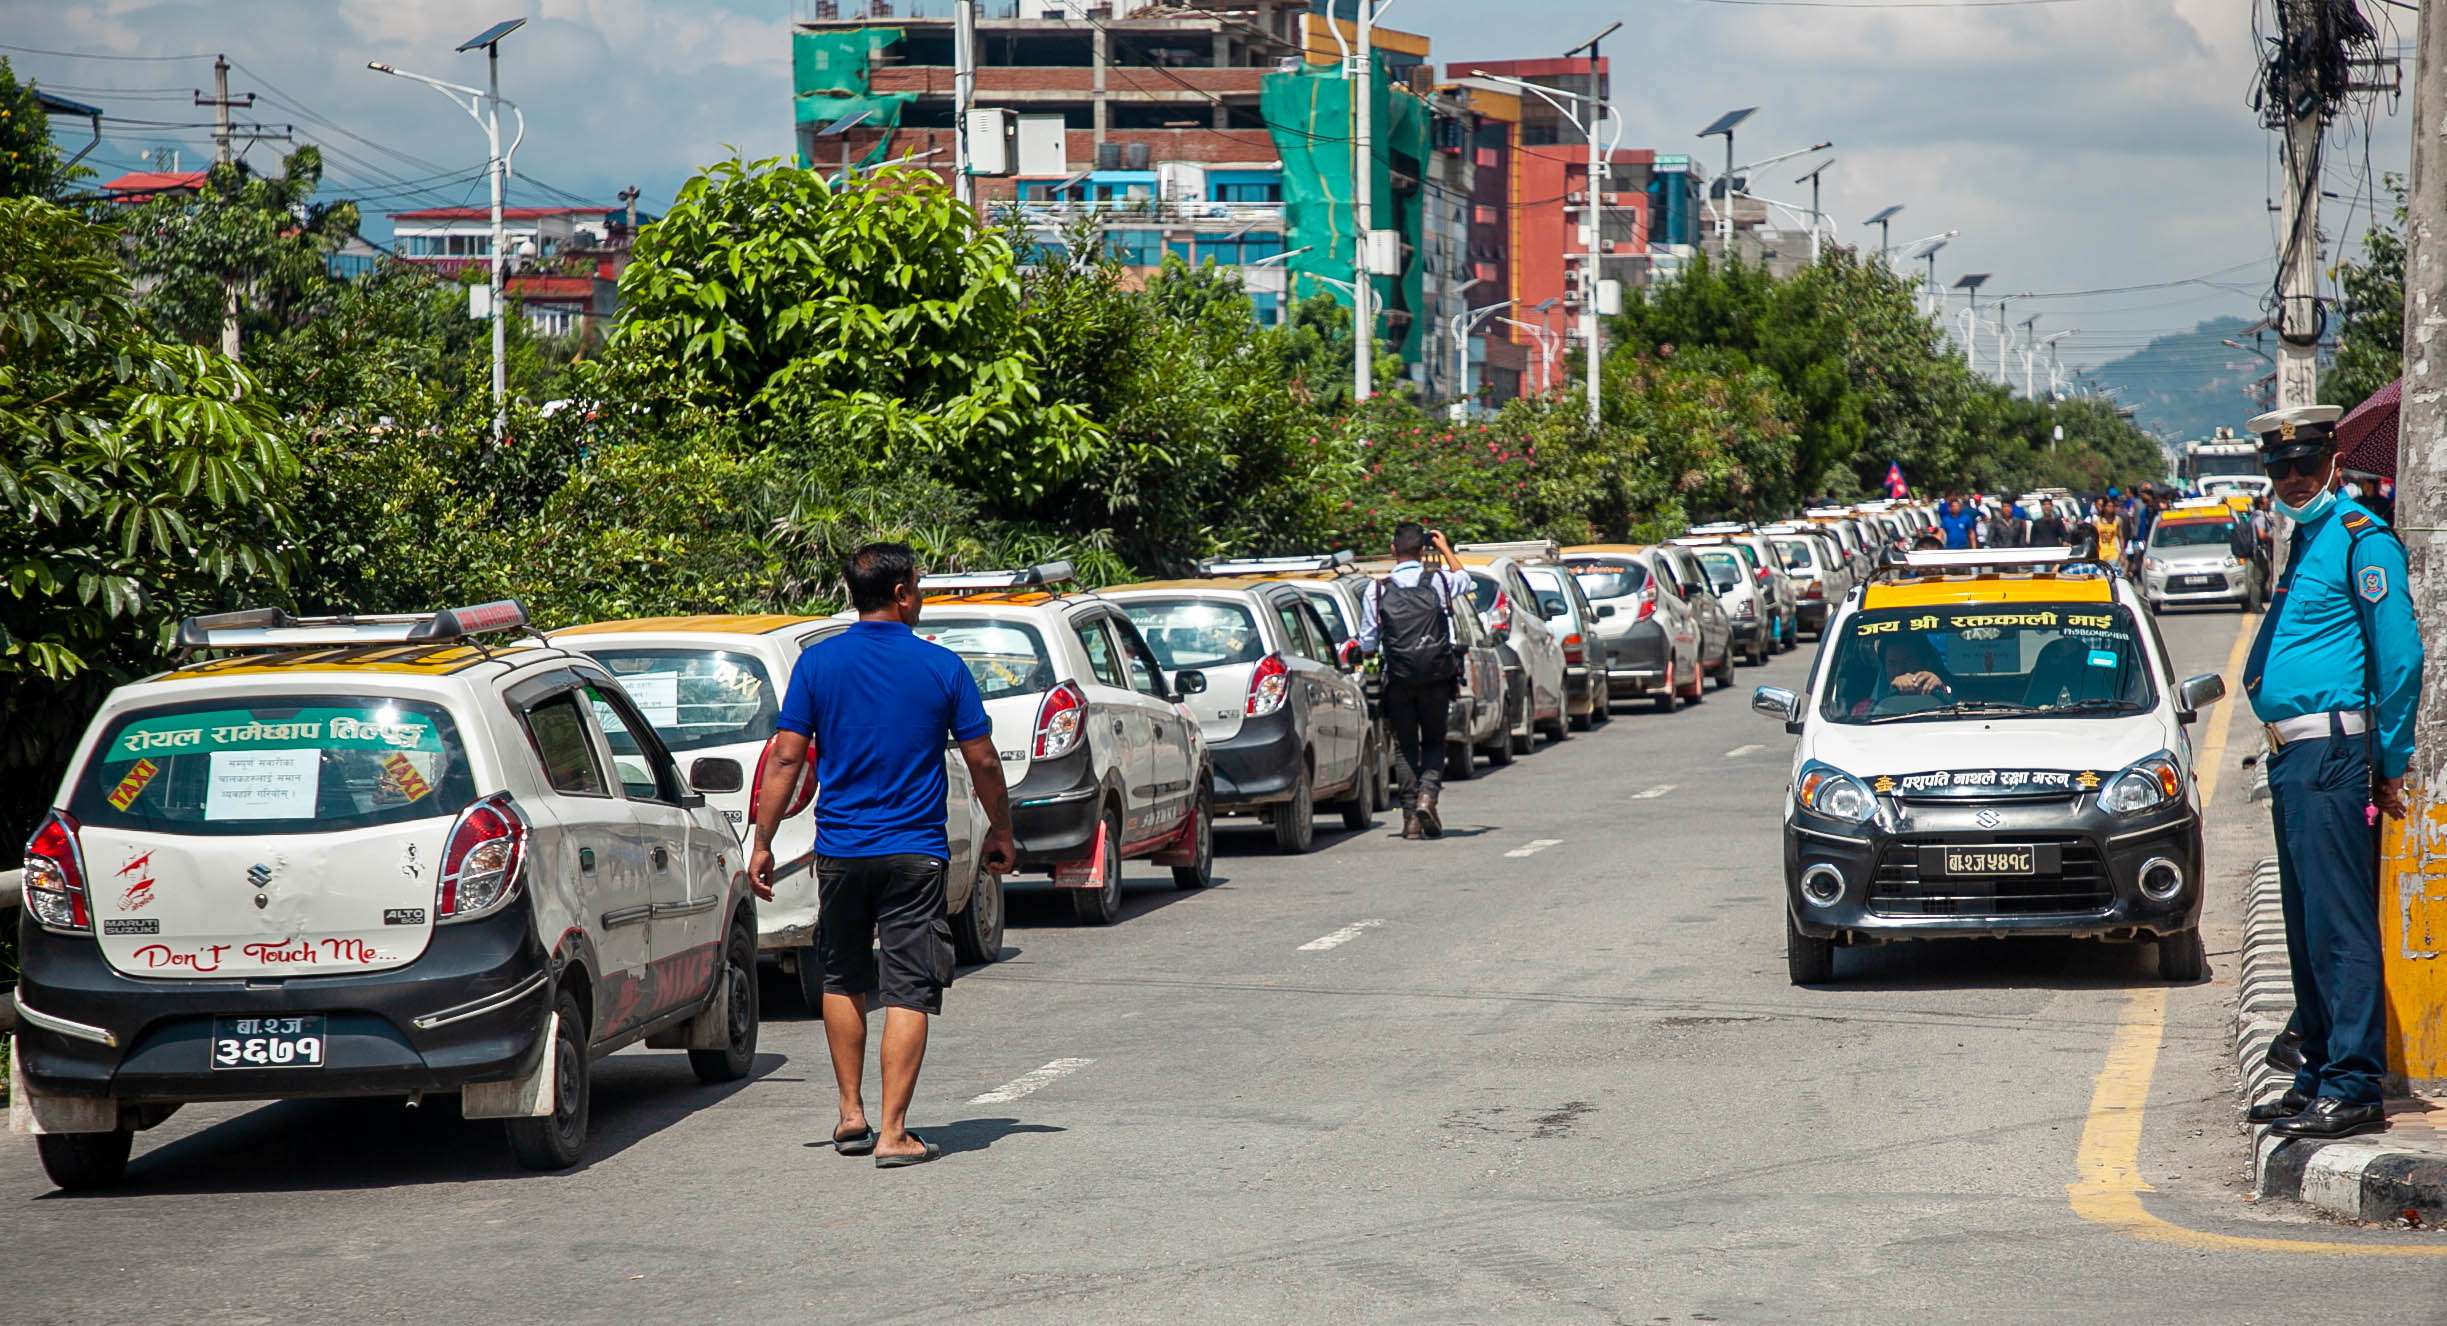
<point>712,686</point>
<point>1992,743</point>
<point>370,856</point>
<point>1103,761</point>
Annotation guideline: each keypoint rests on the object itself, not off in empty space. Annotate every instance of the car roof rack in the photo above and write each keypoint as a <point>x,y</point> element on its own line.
<point>1335,561</point>
<point>1984,561</point>
<point>1540,549</point>
<point>271,630</point>
<point>1044,575</point>
<point>1720,528</point>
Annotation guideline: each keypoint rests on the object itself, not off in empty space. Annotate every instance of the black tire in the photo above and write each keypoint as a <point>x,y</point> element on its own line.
<point>1295,821</point>
<point>1808,961</point>
<point>1200,873</point>
<point>1359,808</point>
<point>1582,722</point>
<point>811,980</point>
<point>1102,905</point>
<point>2182,959</point>
<point>82,1162</point>
<point>740,1013</point>
<point>1601,709</point>
<point>558,1140</point>
<point>1524,739</point>
<point>1460,762</point>
<point>1758,657</point>
<point>1502,753</point>
<point>1669,699</point>
<point>1724,671</point>
<point>977,931</point>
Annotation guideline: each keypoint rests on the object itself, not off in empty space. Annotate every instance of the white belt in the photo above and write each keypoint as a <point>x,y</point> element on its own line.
<point>2306,727</point>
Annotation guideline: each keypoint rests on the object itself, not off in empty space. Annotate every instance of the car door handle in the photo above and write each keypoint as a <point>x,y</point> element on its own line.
<point>586,858</point>
<point>662,857</point>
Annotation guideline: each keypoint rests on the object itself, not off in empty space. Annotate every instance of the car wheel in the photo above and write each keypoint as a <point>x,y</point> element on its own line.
<point>1724,670</point>
<point>1808,961</point>
<point>1505,746</point>
<point>977,932</point>
<point>738,1052</point>
<point>811,980</point>
<point>1383,793</point>
<point>1559,728</point>
<point>1295,821</point>
<point>1201,872</point>
<point>558,1140</point>
<point>2182,959</point>
<point>80,1162</point>
<point>1669,699</point>
<point>1102,905</point>
<point>1359,808</point>
<point>1697,690</point>
<point>1461,762</point>
<point>1758,657</point>
<point>1525,737</point>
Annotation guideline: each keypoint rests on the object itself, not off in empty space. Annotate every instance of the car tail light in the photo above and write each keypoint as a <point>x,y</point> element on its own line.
<point>1499,617</point>
<point>1061,720</point>
<point>1574,648</point>
<point>480,860</point>
<point>1648,605</point>
<point>1269,686</point>
<point>1813,590</point>
<point>55,876</point>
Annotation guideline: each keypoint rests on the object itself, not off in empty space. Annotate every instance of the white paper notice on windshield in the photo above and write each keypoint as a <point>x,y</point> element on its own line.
<point>657,695</point>
<point>262,784</point>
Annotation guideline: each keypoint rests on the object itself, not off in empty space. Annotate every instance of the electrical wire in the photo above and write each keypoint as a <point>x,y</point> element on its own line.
<point>97,55</point>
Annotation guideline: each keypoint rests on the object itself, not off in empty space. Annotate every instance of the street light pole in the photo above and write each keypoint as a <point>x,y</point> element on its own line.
<point>1725,124</point>
<point>1463,322</point>
<point>1818,218</point>
<point>1360,72</point>
<point>1593,243</point>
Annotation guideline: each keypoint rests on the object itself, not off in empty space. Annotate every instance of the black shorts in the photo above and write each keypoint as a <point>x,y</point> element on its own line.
<point>899,900</point>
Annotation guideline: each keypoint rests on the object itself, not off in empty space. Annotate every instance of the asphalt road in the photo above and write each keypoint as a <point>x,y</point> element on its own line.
<point>1549,1069</point>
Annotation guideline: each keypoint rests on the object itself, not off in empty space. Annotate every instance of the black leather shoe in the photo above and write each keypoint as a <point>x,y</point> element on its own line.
<point>2328,1118</point>
<point>2286,1052</point>
<point>2285,1106</point>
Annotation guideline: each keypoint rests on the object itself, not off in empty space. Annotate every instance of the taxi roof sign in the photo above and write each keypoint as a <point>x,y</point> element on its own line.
<point>1260,566</point>
<point>272,629</point>
<point>1034,577</point>
<point>1536,549</point>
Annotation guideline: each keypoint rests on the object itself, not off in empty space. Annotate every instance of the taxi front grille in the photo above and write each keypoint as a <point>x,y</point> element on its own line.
<point>2080,885</point>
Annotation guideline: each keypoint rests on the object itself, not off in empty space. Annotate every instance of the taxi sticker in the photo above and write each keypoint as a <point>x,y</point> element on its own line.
<point>400,775</point>
<point>132,786</point>
<point>2102,658</point>
<point>2374,584</point>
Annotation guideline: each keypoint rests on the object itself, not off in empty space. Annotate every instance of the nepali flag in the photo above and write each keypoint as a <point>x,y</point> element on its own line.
<point>1895,487</point>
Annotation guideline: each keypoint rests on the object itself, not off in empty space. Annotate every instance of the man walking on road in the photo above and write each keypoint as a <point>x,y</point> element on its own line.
<point>1959,522</point>
<point>2048,528</point>
<point>871,707</point>
<point>2335,676</point>
<point>1407,618</point>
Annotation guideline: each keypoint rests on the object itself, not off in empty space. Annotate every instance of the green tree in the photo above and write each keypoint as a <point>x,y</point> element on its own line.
<point>267,234</point>
<point>2371,318</point>
<point>29,165</point>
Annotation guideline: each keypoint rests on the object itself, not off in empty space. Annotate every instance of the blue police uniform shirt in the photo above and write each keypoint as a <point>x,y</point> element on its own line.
<point>2309,656</point>
<point>876,701</point>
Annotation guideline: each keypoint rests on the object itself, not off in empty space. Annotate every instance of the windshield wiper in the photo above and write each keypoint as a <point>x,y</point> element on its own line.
<point>1958,707</point>
<point>2097,707</point>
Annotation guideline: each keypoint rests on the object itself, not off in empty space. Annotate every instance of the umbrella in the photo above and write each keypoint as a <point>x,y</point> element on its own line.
<point>2366,437</point>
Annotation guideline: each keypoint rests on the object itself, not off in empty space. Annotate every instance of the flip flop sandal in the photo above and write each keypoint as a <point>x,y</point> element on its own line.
<point>858,1143</point>
<point>933,1151</point>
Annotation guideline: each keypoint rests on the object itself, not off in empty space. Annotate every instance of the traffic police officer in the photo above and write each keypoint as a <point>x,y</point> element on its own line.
<point>2334,675</point>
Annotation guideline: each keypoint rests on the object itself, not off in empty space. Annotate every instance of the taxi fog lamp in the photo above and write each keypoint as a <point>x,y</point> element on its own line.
<point>2151,783</point>
<point>1822,885</point>
<point>2161,879</point>
<point>1829,791</point>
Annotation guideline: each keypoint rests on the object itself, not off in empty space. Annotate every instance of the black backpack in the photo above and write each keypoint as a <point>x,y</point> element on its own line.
<point>1415,633</point>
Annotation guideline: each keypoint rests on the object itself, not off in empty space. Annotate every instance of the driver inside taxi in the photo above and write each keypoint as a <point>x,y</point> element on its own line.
<point>1909,666</point>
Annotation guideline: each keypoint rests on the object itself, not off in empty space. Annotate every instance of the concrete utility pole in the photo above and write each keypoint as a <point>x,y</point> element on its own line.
<point>2299,278</point>
<point>2413,900</point>
<point>222,154</point>
<point>1593,239</point>
<point>964,92</point>
<point>1360,75</point>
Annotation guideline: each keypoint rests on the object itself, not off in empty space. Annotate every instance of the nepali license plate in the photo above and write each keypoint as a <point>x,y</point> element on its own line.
<point>1988,859</point>
<point>281,1042</point>
<point>2200,582</point>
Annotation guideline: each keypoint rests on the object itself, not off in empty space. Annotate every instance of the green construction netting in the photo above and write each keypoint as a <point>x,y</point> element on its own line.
<point>1308,112</point>
<point>830,76</point>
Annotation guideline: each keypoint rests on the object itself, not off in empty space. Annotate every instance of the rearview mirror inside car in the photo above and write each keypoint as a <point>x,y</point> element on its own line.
<point>715,773</point>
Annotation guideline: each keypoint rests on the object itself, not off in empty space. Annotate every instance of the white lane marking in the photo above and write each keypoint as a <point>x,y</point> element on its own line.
<point>1029,1082</point>
<point>1740,751</point>
<point>1655,792</point>
<point>1534,846</point>
<point>1341,937</point>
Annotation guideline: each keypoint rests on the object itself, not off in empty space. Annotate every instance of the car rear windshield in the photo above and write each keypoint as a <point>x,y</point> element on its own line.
<point>1723,567</point>
<point>1328,604</point>
<point>1196,633</point>
<point>1005,658</point>
<point>1547,584</point>
<point>291,764</point>
<point>697,698</point>
<point>1988,661</point>
<point>1796,554</point>
<point>1610,580</point>
<point>2193,534</point>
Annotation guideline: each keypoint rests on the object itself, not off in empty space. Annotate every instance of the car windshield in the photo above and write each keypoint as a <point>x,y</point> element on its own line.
<point>1196,633</point>
<point>2012,660</point>
<point>279,764</point>
<point>1723,567</point>
<point>1329,606</point>
<point>1005,658</point>
<point>1484,591</point>
<point>2193,534</point>
<point>697,698</point>
<point>1610,580</point>
<point>1796,554</point>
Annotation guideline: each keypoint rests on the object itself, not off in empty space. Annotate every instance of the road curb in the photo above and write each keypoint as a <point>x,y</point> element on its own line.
<point>2371,1178</point>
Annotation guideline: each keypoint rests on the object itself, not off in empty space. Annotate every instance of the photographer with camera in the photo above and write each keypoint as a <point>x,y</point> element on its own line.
<point>1407,619</point>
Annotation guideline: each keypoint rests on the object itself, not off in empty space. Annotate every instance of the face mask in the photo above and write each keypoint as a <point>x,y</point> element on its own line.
<point>2313,509</point>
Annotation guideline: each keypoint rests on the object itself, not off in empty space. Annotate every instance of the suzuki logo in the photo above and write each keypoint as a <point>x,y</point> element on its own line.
<point>259,874</point>
<point>1989,819</point>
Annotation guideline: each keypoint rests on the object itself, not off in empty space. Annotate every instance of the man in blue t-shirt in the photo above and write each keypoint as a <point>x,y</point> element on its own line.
<point>1959,522</point>
<point>871,707</point>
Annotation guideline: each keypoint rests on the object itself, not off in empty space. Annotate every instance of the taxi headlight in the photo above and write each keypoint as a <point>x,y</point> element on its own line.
<point>2149,784</point>
<point>1826,790</point>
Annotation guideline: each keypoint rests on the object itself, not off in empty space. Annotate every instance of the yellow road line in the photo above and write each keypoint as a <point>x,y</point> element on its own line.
<point>2108,1185</point>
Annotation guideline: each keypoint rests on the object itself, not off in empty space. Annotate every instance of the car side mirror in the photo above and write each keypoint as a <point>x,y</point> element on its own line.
<point>1346,656</point>
<point>1690,590</point>
<point>1605,610</point>
<point>1189,681</point>
<point>716,773</point>
<point>1779,704</point>
<point>1558,613</point>
<point>2198,693</point>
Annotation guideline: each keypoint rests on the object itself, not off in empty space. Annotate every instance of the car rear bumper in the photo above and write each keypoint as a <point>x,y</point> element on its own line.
<point>1637,660</point>
<point>1750,633</point>
<point>2094,893</point>
<point>1813,614</point>
<point>473,1008</point>
<point>1054,810</point>
<point>1259,765</point>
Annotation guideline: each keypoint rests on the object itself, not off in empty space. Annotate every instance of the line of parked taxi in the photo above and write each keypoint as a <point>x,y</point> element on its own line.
<point>442,853</point>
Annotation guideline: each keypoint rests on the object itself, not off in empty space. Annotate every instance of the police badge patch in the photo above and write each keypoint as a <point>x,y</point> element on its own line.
<point>2374,583</point>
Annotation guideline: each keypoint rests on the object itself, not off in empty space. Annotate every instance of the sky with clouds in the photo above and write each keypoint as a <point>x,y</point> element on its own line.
<point>2079,145</point>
